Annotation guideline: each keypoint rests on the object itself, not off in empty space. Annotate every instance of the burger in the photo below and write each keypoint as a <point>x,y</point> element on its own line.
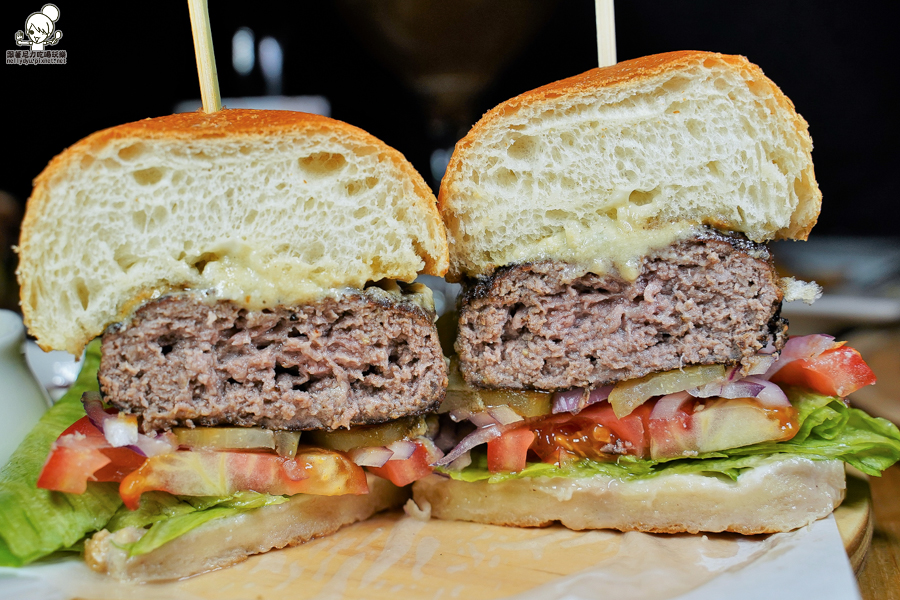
<point>264,361</point>
<point>621,358</point>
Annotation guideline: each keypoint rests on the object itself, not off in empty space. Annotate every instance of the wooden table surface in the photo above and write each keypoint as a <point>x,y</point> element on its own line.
<point>879,577</point>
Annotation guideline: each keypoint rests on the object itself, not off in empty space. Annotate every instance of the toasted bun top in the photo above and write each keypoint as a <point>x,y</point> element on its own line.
<point>261,207</point>
<point>607,165</point>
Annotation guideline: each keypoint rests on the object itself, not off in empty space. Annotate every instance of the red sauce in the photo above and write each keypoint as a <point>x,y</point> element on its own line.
<point>787,418</point>
<point>563,438</point>
<point>574,439</point>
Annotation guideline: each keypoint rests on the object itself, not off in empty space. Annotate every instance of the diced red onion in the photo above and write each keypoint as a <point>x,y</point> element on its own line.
<point>755,365</point>
<point>667,406</point>
<point>574,401</point>
<point>504,415</point>
<point>147,445</point>
<point>476,438</point>
<point>801,347</point>
<point>460,414</point>
<point>600,394</point>
<point>736,389</point>
<point>744,388</point>
<point>483,419</point>
<point>733,386</point>
<point>120,431</point>
<point>374,456</point>
<point>766,392</point>
<point>93,406</point>
<point>567,401</point>
<point>760,363</point>
<point>402,449</point>
<point>730,375</point>
<point>464,460</point>
<point>771,395</point>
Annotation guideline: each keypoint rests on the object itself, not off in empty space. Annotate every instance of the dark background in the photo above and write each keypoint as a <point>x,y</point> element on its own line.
<point>128,61</point>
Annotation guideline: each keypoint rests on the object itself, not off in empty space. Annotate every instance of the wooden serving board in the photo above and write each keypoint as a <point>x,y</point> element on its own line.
<point>855,519</point>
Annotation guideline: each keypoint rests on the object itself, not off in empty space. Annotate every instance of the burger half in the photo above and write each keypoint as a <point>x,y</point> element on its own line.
<point>249,274</point>
<point>621,358</point>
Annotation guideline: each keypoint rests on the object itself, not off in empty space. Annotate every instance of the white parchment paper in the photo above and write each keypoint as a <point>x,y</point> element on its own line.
<point>394,556</point>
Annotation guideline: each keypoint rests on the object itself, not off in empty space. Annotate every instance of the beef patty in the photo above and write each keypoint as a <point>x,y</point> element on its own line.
<point>358,358</point>
<point>551,326</point>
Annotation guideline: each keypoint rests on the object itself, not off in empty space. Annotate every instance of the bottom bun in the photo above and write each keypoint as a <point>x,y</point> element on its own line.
<point>223,542</point>
<point>784,493</point>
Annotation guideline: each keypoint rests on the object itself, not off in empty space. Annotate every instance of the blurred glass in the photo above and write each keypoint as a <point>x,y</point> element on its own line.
<point>243,52</point>
<point>271,62</point>
<point>266,59</point>
<point>860,277</point>
<point>23,400</point>
<point>447,51</point>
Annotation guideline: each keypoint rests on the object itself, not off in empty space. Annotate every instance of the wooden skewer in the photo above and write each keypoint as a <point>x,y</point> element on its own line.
<point>606,32</point>
<point>206,58</point>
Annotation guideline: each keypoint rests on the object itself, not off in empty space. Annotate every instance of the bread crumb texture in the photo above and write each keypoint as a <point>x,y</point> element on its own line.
<point>262,207</point>
<point>797,289</point>
<point>583,167</point>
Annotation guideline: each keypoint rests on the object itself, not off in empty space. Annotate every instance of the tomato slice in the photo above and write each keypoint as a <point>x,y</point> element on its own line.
<point>122,462</point>
<point>84,427</point>
<point>565,437</point>
<point>632,429</point>
<point>190,473</point>
<point>69,469</point>
<point>562,438</point>
<point>836,372</point>
<point>508,452</point>
<point>715,424</point>
<point>404,472</point>
<point>673,436</point>
<point>82,454</point>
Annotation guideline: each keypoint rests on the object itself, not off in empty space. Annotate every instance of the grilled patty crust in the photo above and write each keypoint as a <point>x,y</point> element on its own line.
<point>356,358</point>
<point>552,326</point>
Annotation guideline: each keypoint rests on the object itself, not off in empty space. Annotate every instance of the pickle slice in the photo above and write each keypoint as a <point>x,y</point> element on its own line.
<point>286,443</point>
<point>447,328</point>
<point>461,396</point>
<point>225,438</point>
<point>362,436</point>
<point>526,403</point>
<point>628,395</point>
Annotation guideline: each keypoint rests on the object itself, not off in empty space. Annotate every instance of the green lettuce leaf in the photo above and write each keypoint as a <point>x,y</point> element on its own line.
<point>172,516</point>
<point>827,429</point>
<point>155,507</point>
<point>36,522</point>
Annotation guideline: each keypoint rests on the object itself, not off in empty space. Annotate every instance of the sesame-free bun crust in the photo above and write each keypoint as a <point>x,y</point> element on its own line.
<point>230,540</point>
<point>696,138</point>
<point>262,206</point>
<point>783,494</point>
